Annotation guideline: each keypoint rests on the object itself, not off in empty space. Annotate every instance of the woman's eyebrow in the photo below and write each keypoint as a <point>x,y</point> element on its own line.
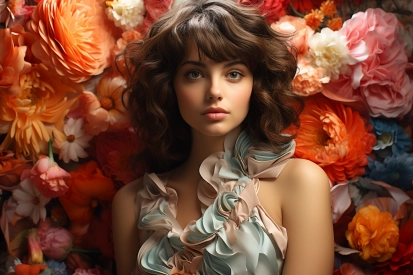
<point>195,63</point>
<point>232,63</point>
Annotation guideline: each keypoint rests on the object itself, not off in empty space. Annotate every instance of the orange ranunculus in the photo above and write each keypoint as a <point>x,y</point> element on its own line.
<point>88,188</point>
<point>328,8</point>
<point>373,232</point>
<point>314,19</point>
<point>25,269</point>
<point>37,110</point>
<point>105,110</point>
<point>335,137</point>
<point>401,263</point>
<point>77,42</point>
<point>12,62</point>
<point>11,169</point>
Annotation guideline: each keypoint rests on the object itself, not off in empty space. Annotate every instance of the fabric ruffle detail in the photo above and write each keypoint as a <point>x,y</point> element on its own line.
<point>235,235</point>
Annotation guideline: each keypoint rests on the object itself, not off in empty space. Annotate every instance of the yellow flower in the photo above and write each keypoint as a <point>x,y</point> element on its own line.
<point>373,232</point>
<point>38,109</point>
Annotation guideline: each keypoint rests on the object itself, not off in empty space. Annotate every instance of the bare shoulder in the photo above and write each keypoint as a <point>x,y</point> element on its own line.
<point>128,192</point>
<point>302,175</point>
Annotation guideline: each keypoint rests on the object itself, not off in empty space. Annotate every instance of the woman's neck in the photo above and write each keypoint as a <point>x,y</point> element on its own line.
<point>202,147</point>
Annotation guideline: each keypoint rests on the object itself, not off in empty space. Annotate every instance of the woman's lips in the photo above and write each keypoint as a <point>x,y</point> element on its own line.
<point>215,113</point>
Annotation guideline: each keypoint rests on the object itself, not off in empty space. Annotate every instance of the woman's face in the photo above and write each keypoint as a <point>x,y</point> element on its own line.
<point>213,98</point>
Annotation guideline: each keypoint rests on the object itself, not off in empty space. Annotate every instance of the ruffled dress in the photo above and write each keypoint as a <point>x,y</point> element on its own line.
<point>235,235</point>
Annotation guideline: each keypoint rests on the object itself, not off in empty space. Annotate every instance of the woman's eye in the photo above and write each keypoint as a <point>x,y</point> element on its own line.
<point>193,75</point>
<point>234,75</point>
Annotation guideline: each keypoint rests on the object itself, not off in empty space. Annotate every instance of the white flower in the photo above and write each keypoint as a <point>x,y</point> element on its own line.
<point>328,50</point>
<point>126,14</point>
<point>71,145</point>
<point>30,201</point>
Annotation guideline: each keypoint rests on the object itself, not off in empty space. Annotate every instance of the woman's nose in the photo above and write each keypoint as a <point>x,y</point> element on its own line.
<point>215,90</point>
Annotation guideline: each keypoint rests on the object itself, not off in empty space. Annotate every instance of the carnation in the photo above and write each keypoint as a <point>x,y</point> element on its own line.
<point>309,80</point>
<point>126,14</point>
<point>328,50</point>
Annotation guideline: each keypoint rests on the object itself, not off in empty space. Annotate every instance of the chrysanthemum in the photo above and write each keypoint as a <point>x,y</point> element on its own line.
<point>38,109</point>
<point>335,137</point>
<point>328,50</point>
<point>77,42</point>
<point>30,201</point>
<point>126,14</point>
<point>390,135</point>
<point>396,170</point>
<point>74,141</point>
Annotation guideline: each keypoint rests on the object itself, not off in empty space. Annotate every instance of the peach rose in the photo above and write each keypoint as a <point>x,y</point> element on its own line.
<point>290,24</point>
<point>373,232</point>
<point>49,178</point>
<point>309,79</point>
<point>77,42</point>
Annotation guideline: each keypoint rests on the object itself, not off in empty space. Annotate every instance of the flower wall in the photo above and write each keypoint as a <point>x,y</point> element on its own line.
<point>66,145</point>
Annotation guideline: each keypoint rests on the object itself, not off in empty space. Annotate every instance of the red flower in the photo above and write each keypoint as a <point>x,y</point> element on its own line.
<point>401,263</point>
<point>270,9</point>
<point>88,188</point>
<point>49,178</point>
<point>115,152</point>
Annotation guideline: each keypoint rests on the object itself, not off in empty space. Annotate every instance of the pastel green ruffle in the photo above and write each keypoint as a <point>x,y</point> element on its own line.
<point>235,235</point>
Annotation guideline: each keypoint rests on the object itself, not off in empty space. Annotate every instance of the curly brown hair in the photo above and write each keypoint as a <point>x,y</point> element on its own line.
<point>222,30</point>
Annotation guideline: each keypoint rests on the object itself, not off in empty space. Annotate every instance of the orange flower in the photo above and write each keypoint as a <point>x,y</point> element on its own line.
<point>11,169</point>
<point>88,188</point>
<point>335,24</point>
<point>12,62</point>
<point>401,263</point>
<point>314,19</point>
<point>105,110</point>
<point>77,42</point>
<point>37,110</point>
<point>25,269</point>
<point>328,8</point>
<point>127,37</point>
<point>334,137</point>
<point>373,232</point>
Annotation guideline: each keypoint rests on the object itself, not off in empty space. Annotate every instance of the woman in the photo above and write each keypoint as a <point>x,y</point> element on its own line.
<point>211,96</point>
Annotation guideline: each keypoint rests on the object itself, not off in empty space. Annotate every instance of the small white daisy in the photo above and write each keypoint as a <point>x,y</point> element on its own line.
<point>30,202</point>
<point>72,148</point>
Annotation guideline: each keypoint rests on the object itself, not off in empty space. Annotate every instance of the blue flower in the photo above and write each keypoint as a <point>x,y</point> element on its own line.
<point>391,138</point>
<point>57,268</point>
<point>396,170</point>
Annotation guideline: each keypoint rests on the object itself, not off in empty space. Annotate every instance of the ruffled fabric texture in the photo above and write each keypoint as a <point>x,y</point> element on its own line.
<point>235,235</point>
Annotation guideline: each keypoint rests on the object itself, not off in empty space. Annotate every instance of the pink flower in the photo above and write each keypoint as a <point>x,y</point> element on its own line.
<point>105,110</point>
<point>292,24</point>
<point>349,269</point>
<point>270,9</point>
<point>49,178</point>
<point>55,242</point>
<point>380,80</point>
<point>77,261</point>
